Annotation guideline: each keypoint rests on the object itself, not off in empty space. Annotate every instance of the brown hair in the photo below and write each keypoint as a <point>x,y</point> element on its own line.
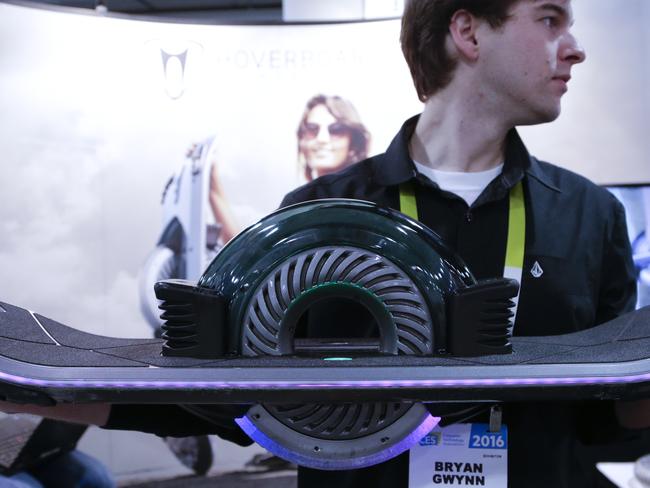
<point>343,111</point>
<point>425,25</point>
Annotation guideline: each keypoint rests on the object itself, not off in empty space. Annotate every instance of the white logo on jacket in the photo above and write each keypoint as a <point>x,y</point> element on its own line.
<point>536,270</point>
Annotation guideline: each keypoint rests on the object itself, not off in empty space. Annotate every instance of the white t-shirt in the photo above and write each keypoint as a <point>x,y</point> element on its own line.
<point>467,186</point>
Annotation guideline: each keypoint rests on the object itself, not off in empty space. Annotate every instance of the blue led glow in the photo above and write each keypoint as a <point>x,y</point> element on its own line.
<point>302,459</point>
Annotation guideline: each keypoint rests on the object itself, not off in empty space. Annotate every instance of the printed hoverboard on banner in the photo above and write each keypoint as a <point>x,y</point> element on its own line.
<point>436,336</point>
<point>177,254</point>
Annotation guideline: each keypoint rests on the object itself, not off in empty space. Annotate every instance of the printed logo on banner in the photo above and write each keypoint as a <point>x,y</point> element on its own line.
<point>431,439</point>
<point>481,438</point>
<point>177,58</point>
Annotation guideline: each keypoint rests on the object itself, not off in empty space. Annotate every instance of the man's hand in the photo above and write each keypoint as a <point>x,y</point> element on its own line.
<point>93,414</point>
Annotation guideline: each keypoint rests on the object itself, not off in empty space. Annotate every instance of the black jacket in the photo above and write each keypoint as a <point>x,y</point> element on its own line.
<point>575,230</point>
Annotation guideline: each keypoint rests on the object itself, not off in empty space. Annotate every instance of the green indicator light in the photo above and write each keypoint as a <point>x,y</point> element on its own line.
<point>337,359</point>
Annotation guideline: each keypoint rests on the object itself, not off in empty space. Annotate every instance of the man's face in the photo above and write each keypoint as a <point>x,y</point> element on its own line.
<point>525,65</point>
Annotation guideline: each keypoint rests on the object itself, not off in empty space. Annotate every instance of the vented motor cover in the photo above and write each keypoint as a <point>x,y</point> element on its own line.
<point>243,266</point>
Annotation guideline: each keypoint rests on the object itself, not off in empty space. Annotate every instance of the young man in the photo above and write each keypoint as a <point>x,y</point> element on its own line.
<point>482,68</point>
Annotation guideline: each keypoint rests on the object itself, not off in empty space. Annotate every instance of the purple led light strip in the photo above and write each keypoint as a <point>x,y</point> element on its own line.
<point>351,463</point>
<point>289,385</point>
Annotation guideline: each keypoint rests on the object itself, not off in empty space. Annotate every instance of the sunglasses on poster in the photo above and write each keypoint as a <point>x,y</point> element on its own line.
<point>335,129</point>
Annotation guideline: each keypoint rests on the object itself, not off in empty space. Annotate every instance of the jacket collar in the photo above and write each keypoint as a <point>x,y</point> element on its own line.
<point>538,172</point>
<point>395,166</point>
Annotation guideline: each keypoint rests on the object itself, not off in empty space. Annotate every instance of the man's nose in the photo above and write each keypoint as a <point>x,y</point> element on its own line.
<point>572,51</point>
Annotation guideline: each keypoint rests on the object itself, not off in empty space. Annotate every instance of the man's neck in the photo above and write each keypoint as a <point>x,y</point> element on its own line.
<point>454,134</point>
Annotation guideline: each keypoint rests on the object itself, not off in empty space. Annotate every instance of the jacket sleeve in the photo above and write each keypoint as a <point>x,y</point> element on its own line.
<point>180,421</point>
<point>288,200</point>
<point>617,292</point>
<point>299,195</point>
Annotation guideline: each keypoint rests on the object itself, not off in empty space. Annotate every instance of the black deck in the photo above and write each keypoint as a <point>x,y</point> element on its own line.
<point>43,361</point>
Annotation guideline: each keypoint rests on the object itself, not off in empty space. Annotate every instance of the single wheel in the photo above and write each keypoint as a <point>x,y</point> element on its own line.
<point>337,436</point>
<point>336,250</point>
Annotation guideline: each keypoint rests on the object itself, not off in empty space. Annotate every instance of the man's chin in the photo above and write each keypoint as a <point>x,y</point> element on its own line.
<point>543,115</point>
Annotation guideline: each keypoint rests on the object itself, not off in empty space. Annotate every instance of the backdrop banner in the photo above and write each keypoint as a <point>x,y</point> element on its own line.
<point>104,118</point>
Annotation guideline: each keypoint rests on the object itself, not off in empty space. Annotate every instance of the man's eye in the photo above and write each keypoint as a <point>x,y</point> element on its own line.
<point>550,21</point>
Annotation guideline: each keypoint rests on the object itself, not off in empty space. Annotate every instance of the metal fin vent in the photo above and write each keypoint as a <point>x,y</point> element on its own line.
<point>324,265</point>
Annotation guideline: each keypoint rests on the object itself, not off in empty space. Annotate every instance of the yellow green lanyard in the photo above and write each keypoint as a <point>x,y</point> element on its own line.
<point>514,262</point>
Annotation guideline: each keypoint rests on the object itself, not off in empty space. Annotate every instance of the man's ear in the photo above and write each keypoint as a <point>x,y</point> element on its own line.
<point>462,28</point>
